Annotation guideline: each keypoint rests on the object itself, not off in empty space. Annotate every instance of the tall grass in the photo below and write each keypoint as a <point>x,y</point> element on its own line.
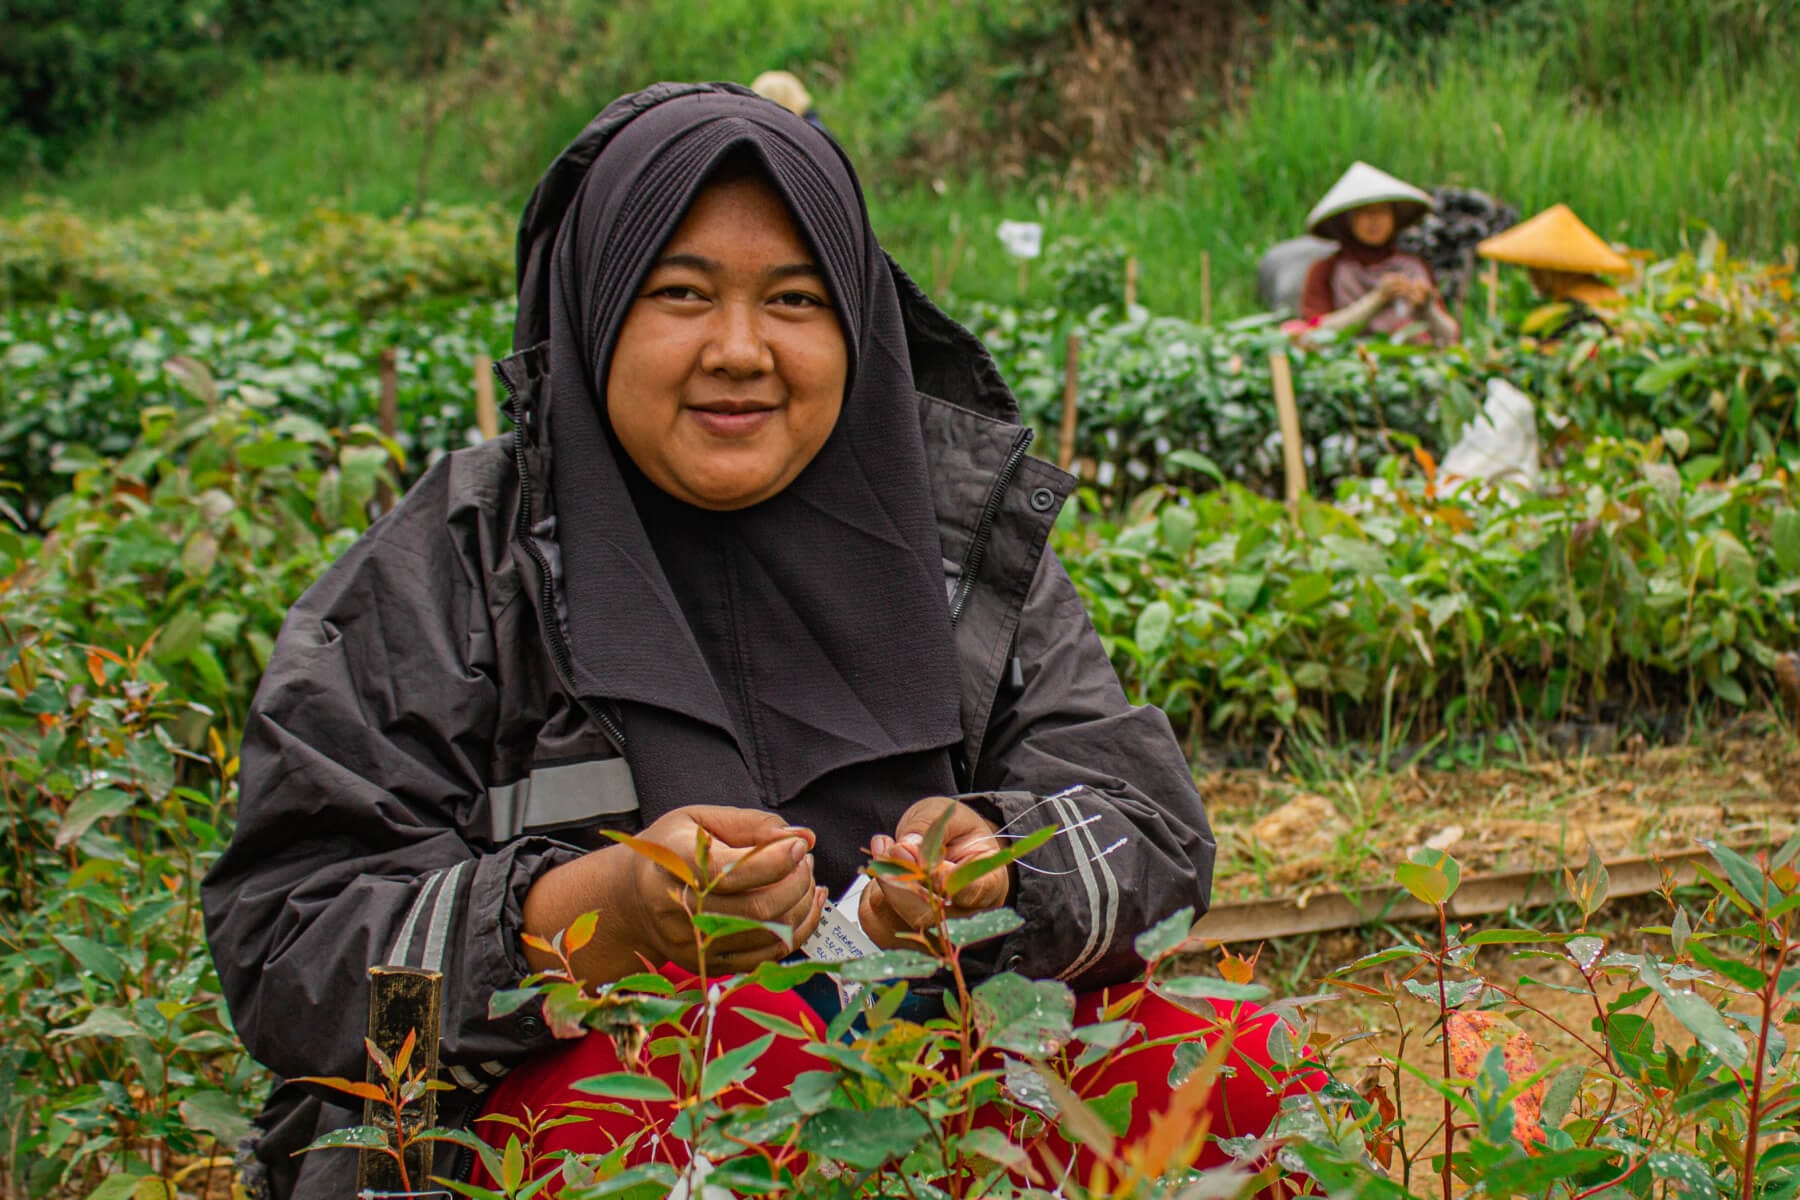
<point>1650,117</point>
<point>1720,153</point>
<point>287,139</point>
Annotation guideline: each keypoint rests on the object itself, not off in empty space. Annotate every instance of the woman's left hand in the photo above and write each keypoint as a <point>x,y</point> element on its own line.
<point>891,907</point>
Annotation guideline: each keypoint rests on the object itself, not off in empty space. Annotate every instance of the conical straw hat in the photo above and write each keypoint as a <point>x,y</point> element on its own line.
<point>784,89</point>
<point>1361,185</point>
<point>1555,240</point>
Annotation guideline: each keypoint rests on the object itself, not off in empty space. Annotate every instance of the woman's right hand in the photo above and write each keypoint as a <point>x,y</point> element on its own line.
<point>763,869</point>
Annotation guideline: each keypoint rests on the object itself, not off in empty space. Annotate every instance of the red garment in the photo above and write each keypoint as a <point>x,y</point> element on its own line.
<point>1241,1104</point>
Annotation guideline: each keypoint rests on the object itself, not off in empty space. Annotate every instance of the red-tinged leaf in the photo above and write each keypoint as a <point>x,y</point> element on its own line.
<point>661,855</point>
<point>406,1052</point>
<point>96,668</point>
<point>378,1056</point>
<point>537,943</point>
<point>581,932</point>
<point>351,1087</point>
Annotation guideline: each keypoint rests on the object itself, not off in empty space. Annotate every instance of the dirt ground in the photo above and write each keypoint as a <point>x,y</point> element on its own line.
<point>1282,838</point>
<point>1278,837</point>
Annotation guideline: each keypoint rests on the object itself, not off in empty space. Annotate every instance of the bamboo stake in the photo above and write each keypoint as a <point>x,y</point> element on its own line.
<point>1293,459</point>
<point>1493,290</point>
<point>389,417</point>
<point>1206,287</point>
<point>944,274</point>
<point>487,419</point>
<point>1024,276</point>
<point>1131,280</point>
<point>1065,453</point>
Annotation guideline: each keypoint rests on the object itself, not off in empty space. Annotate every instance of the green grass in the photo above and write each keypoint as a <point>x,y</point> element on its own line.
<point>1719,155</point>
<point>285,139</point>
<point>1649,142</point>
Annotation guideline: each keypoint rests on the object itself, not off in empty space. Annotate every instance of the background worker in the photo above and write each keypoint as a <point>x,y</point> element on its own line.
<point>1369,283</point>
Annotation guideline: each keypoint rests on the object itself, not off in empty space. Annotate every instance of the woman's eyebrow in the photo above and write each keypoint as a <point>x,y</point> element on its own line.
<point>699,262</point>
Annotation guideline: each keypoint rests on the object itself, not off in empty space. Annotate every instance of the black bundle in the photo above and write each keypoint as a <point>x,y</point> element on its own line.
<point>1446,238</point>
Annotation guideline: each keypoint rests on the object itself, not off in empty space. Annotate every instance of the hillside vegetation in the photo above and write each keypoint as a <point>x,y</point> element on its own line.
<point>1652,117</point>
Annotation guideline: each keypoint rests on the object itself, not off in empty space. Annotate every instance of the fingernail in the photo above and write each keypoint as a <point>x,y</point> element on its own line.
<point>880,844</point>
<point>914,839</point>
<point>799,851</point>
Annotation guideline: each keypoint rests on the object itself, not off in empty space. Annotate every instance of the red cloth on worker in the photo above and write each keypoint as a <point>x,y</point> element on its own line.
<point>1242,1104</point>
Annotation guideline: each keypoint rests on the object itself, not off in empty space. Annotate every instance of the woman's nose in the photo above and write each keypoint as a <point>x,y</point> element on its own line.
<point>738,346</point>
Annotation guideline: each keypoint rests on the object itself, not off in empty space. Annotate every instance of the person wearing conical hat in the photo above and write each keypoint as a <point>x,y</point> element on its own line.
<point>1566,260</point>
<point>1369,283</point>
<point>785,89</point>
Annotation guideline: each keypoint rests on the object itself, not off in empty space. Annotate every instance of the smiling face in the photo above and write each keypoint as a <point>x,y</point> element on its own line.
<point>729,370</point>
<point>1372,224</point>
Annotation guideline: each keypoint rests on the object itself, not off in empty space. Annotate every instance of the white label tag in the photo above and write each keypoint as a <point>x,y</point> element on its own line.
<point>838,938</point>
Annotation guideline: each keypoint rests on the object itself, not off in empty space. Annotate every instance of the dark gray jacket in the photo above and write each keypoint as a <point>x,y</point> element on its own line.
<point>415,757</point>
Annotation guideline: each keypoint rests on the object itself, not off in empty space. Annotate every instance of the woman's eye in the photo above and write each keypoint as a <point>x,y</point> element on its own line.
<point>676,291</point>
<point>800,300</point>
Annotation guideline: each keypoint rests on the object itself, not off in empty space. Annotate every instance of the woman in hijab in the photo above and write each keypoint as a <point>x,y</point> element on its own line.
<point>763,557</point>
<point>1369,283</point>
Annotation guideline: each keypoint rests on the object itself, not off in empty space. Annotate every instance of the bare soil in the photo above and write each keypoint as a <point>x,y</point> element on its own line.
<point>1280,837</point>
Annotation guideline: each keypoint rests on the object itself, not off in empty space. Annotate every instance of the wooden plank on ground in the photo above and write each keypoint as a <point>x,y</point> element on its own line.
<point>1265,920</point>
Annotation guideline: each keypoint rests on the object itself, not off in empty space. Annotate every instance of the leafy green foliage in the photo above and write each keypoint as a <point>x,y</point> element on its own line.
<point>1626,582</point>
<point>75,384</point>
<point>226,260</point>
<point>1707,356</point>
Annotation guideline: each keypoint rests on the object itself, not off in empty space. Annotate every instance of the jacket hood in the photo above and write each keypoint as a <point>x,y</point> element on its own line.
<point>947,360</point>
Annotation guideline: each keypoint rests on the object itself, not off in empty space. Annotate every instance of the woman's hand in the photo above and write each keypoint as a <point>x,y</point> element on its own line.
<point>763,869</point>
<point>891,907</point>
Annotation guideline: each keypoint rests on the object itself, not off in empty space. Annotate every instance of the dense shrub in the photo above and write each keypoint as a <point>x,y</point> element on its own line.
<point>1708,350</point>
<point>131,637</point>
<point>74,384</point>
<point>231,259</point>
<point>1631,584</point>
<point>70,69</point>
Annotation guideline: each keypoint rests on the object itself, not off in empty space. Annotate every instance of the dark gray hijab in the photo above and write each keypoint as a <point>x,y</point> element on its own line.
<point>797,652</point>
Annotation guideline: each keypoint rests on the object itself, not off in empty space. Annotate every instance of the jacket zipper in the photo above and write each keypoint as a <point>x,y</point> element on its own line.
<point>985,529</point>
<point>559,650</point>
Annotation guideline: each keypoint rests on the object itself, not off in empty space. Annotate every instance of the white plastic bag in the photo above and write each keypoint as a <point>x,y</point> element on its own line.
<point>1500,445</point>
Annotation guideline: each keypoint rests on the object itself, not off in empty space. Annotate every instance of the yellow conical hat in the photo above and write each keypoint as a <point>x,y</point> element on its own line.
<point>1556,240</point>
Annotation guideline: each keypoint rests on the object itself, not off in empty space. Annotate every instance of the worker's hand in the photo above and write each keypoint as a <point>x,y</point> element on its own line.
<point>762,868</point>
<point>1415,291</point>
<point>892,906</point>
<point>763,871</point>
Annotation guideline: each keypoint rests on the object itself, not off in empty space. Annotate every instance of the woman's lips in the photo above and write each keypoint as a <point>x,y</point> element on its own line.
<point>732,422</point>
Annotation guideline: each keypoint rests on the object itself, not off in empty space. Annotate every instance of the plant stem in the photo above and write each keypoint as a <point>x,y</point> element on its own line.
<point>1444,1040</point>
<point>1753,1114</point>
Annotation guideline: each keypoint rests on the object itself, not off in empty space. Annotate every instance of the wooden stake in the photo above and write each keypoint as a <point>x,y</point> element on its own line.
<point>1293,458</point>
<point>1065,453</point>
<point>941,280</point>
<point>1493,290</point>
<point>1206,287</point>
<point>1131,278</point>
<point>403,1002</point>
<point>389,417</point>
<point>1024,276</point>
<point>487,419</point>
